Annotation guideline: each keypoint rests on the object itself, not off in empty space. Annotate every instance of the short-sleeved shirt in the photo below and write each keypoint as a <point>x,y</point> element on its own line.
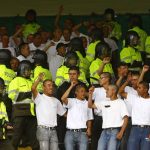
<point>113,112</point>
<point>140,109</point>
<point>78,113</point>
<point>47,109</point>
<point>99,95</point>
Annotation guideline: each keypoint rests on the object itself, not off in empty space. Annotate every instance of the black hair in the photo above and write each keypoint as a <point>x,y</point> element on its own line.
<point>110,11</point>
<point>31,12</point>
<point>145,84</point>
<point>75,68</point>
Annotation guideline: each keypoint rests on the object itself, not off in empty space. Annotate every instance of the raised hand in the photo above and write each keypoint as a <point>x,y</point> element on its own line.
<point>106,60</point>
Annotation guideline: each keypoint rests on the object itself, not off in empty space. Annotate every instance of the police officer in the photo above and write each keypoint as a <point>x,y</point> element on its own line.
<point>4,142</point>
<point>116,32</point>
<point>135,24</point>
<point>62,75</point>
<point>96,36</point>
<point>7,75</point>
<point>76,45</point>
<point>130,54</point>
<point>101,62</point>
<point>40,63</point>
<point>23,108</point>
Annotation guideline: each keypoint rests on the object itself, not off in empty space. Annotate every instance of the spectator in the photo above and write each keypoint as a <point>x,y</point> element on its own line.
<point>47,108</point>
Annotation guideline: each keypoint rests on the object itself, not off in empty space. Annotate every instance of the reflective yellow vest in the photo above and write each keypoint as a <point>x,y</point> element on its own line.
<point>90,53</point>
<point>147,45</point>
<point>83,64</point>
<point>7,75</point>
<point>62,76</point>
<point>95,65</point>
<point>129,55</point>
<point>36,72</point>
<point>143,35</point>
<point>30,28</point>
<point>19,92</point>
<point>116,32</point>
<point>3,118</point>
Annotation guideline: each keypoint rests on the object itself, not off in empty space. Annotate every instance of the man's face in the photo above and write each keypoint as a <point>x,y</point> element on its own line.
<point>134,80</point>
<point>73,75</point>
<point>66,34</point>
<point>58,33</point>
<point>37,40</point>
<point>80,93</point>
<point>103,80</point>
<point>48,88</point>
<point>134,41</point>
<point>141,90</point>
<point>25,51</point>
<point>123,70</point>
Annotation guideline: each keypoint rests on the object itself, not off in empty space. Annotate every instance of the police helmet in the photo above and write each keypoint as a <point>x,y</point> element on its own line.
<point>102,49</point>
<point>71,59</point>
<point>131,38</point>
<point>24,69</point>
<point>76,44</point>
<point>5,57</point>
<point>40,57</point>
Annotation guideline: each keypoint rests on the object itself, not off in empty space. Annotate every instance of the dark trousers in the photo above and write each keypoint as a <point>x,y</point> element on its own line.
<point>96,132</point>
<point>6,145</point>
<point>124,141</point>
<point>61,131</point>
<point>25,128</point>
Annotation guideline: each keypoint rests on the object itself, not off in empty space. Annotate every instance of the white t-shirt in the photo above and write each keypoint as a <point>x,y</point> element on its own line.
<point>47,109</point>
<point>129,90</point>
<point>33,47</point>
<point>78,113</point>
<point>140,109</point>
<point>51,52</point>
<point>54,64</point>
<point>21,58</point>
<point>113,113</point>
<point>99,95</point>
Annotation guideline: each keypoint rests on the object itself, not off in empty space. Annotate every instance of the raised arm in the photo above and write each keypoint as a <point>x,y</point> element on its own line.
<point>144,70</point>
<point>57,19</point>
<point>122,88</point>
<point>90,102</point>
<point>64,98</point>
<point>35,84</point>
<point>101,68</point>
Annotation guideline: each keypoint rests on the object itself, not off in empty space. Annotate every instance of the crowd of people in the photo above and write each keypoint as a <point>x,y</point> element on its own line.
<point>68,90</point>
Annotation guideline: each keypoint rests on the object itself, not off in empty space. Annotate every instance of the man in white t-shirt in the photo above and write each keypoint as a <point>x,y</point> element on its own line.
<point>140,132</point>
<point>99,95</point>
<point>115,118</point>
<point>25,54</point>
<point>79,118</point>
<point>47,108</point>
